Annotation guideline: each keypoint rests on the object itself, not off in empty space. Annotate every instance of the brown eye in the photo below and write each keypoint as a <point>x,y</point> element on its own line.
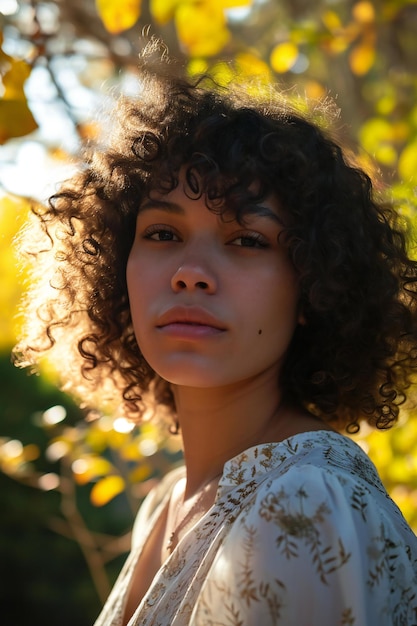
<point>158,233</point>
<point>250,240</point>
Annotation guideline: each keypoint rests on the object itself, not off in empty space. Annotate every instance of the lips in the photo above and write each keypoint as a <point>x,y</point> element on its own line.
<point>191,317</point>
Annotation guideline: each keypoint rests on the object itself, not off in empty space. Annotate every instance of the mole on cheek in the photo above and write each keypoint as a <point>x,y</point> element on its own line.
<point>260,331</point>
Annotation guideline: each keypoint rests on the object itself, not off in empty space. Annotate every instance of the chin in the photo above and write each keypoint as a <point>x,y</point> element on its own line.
<point>184,368</point>
<point>190,376</point>
<point>193,380</point>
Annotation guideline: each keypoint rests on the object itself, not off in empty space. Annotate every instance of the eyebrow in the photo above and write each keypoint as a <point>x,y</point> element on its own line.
<point>163,205</point>
<point>173,207</point>
<point>263,211</point>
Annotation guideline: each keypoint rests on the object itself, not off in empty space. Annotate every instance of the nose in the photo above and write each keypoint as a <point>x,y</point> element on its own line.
<point>193,274</point>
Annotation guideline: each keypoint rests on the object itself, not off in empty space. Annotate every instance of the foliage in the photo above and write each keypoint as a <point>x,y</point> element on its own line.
<point>12,216</point>
<point>38,563</point>
<point>107,463</point>
<point>16,118</point>
<point>361,52</point>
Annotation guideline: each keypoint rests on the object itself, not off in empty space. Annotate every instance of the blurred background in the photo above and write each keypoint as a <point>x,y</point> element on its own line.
<point>69,488</point>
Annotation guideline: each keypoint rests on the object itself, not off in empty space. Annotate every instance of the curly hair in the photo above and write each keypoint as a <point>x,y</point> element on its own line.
<point>356,354</point>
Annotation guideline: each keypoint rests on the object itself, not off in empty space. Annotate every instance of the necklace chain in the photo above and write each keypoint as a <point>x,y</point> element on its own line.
<point>173,537</point>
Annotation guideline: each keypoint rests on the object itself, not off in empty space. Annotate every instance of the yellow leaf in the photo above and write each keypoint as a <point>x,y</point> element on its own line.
<point>251,65</point>
<point>88,468</point>
<point>375,135</point>
<point>232,4</point>
<point>375,130</point>
<point>96,438</point>
<point>118,15</point>
<point>380,452</point>
<point>331,20</point>
<point>337,43</point>
<point>140,473</point>
<point>163,10</point>
<point>13,214</point>
<point>196,67</point>
<point>130,451</point>
<point>399,469</point>
<point>406,499</point>
<point>400,131</point>
<point>88,130</point>
<point>394,454</point>
<point>386,154</point>
<point>283,57</point>
<point>14,79</point>
<point>223,73</point>
<point>404,439</point>
<point>106,489</point>
<point>314,90</point>
<point>364,12</point>
<point>362,58</point>
<point>117,440</point>
<point>201,28</point>
<point>407,164</point>
<point>16,119</point>
<point>386,104</point>
<point>31,452</point>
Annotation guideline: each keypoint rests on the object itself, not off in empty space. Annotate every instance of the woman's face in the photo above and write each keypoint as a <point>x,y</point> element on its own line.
<point>213,303</point>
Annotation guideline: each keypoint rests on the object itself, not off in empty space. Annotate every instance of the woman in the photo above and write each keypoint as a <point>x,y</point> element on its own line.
<point>223,258</point>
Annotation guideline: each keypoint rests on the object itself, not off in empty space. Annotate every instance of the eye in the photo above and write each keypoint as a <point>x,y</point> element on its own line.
<point>160,233</point>
<point>250,240</point>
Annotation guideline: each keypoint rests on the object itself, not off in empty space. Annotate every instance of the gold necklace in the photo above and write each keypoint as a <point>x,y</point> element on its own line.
<point>173,538</point>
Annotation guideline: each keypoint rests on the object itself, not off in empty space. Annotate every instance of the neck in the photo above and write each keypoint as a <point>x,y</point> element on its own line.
<point>217,424</point>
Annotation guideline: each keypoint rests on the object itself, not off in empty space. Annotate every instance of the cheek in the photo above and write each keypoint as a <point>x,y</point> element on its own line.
<point>274,315</point>
<point>140,276</point>
<point>136,289</point>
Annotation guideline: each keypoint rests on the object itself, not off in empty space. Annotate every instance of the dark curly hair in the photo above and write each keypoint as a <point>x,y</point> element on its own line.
<point>356,354</point>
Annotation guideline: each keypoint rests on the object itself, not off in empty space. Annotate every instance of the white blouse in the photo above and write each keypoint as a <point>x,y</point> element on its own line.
<point>302,533</point>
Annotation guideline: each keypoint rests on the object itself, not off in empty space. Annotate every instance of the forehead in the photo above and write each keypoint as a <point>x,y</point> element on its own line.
<point>177,202</point>
<point>227,197</point>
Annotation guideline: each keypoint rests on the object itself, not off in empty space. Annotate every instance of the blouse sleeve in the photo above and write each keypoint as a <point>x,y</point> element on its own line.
<point>311,550</point>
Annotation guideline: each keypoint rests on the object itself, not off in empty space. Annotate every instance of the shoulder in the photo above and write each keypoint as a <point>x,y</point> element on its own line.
<point>321,473</point>
<point>318,539</point>
<point>322,512</point>
<point>326,476</point>
<point>324,508</point>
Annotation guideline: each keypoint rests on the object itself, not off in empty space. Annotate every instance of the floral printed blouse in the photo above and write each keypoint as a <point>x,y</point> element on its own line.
<point>302,533</point>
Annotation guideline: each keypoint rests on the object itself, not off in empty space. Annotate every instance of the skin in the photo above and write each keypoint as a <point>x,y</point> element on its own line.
<point>214,307</point>
<point>224,373</point>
